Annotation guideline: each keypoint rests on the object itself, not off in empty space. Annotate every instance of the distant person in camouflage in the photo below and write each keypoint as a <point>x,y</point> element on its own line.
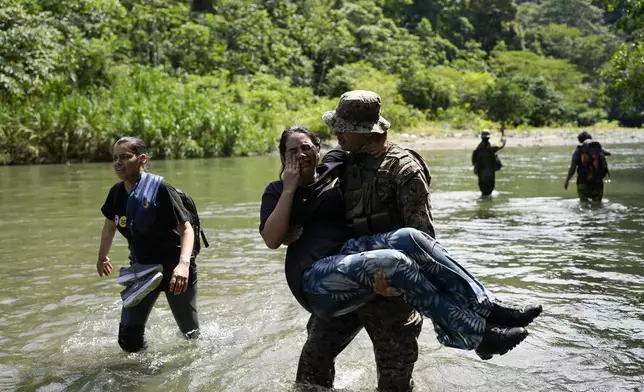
<point>486,161</point>
<point>589,161</point>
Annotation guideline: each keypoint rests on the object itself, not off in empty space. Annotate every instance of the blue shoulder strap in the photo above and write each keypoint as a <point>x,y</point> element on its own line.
<point>142,201</point>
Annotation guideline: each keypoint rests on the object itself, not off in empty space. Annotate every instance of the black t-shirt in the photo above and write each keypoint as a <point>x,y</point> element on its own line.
<point>162,243</point>
<point>322,219</point>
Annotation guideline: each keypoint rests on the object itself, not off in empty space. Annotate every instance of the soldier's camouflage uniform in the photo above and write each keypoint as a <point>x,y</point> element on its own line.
<point>486,163</point>
<point>381,194</point>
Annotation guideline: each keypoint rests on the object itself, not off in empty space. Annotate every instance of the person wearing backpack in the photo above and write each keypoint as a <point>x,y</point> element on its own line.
<point>486,161</point>
<point>163,245</point>
<point>589,161</point>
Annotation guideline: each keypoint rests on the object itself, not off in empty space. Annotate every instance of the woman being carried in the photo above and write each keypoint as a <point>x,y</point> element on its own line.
<point>332,274</point>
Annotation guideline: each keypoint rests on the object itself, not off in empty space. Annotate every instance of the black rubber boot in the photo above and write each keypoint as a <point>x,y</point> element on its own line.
<point>499,340</point>
<point>507,315</point>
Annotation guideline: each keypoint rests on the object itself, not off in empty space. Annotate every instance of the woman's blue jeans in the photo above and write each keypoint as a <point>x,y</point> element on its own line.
<point>428,278</point>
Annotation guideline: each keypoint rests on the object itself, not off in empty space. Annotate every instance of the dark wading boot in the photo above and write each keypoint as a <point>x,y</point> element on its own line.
<point>507,315</point>
<point>499,340</point>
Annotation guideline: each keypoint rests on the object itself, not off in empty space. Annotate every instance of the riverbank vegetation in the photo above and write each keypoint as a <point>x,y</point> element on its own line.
<point>223,77</point>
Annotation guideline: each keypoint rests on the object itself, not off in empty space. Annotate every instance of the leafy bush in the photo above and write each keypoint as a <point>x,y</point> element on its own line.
<point>362,76</point>
<point>466,86</point>
<point>506,102</point>
<point>463,118</point>
<point>75,75</point>
<point>590,117</point>
<point>426,91</point>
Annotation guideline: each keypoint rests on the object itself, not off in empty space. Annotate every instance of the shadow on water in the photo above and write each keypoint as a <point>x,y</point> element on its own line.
<point>485,206</point>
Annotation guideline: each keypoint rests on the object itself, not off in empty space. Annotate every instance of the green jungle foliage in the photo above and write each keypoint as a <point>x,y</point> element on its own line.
<point>625,71</point>
<point>209,78</point>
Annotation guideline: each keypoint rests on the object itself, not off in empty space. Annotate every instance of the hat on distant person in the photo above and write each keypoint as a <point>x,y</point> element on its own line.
<point>358,112</point>
<point>485,134</point>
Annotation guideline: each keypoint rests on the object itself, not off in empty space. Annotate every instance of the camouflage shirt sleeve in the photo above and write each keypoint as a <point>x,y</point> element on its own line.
<point>414,204</point>
<point>500,146</point>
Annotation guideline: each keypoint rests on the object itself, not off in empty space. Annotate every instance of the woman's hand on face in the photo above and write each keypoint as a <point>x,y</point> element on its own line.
<point>293,234</point>
<point>291,176</point>
<point>103,266</point>
<point>179,280</point>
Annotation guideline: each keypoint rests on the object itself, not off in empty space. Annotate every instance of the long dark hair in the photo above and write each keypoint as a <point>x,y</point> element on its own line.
<point>136,145</point>
<point>288,132</point>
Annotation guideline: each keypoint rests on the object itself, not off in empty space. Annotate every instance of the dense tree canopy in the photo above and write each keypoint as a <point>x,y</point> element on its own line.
<point>625,72</point>
<point>222,77</point>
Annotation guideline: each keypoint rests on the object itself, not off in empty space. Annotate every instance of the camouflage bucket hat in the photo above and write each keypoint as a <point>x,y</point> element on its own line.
<point>359,112</point>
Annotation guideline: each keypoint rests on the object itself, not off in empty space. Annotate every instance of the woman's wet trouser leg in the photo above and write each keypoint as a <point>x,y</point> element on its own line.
<point>133,320</point>
<point>435,263</point>
<point>184,310</point>
<point>340,282</point>
<point>441,269</point>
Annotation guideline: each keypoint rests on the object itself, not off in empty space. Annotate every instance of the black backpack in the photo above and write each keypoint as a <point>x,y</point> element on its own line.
<point>190,206</point>
<point>593,161</point>
<point>497,163</point>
